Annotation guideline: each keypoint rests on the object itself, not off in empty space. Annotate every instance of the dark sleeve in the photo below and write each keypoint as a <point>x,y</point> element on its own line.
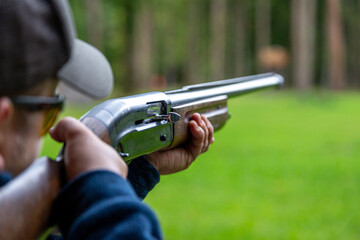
<point>5,177</point>
<point>143,176</point>
<point>102,205</point>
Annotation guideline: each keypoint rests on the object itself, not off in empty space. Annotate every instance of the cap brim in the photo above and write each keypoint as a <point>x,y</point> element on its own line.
<point>87,71</point>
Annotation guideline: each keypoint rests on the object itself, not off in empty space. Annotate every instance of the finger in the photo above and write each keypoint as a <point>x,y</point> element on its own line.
<point>200,122</point>
<point>210,127</point>
<point>197,132</point>
<point>66,128</point>
<point>197,141</point>
<point>209,136</point>
<point>206,130</point>
<point>196,117</point>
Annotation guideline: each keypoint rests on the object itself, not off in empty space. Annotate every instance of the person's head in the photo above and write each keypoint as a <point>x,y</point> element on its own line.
<point>38,51</point>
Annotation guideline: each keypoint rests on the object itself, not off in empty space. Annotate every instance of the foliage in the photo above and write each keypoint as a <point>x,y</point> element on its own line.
<point>179,35</point>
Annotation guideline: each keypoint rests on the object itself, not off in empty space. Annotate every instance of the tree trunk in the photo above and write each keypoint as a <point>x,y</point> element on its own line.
<point>217,45</point>
<point>240,38</point>
<point>192,63</point>
<point>335,37</point>
<point>263,27</point>
<point>352,26</point>
<point>142,47</point>
<point>303,43</point>
<point>94,23</point>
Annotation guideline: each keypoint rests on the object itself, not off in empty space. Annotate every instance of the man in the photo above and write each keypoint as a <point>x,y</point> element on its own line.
<point>37,50</point>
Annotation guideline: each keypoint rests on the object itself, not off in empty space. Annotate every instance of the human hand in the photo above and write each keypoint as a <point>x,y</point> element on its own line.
<point>84,151</point>
<point>180,158</point>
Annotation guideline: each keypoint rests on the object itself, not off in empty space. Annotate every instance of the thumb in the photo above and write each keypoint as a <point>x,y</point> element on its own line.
<point>66,129</point>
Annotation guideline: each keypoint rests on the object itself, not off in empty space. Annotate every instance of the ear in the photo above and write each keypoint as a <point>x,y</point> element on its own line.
<point>2,163</point>
<point>6,109</point>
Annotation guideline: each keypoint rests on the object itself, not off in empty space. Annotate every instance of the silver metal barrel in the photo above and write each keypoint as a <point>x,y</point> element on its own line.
<point>230,88</point>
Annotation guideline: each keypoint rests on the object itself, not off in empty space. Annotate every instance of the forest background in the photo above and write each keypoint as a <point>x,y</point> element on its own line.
<point>286,165</point>
<point>162,43</point>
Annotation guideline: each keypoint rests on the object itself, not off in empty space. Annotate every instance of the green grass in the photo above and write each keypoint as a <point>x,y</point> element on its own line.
<point>285,166</point>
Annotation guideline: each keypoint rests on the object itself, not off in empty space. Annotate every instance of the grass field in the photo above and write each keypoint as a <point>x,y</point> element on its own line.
<point>285,166</point>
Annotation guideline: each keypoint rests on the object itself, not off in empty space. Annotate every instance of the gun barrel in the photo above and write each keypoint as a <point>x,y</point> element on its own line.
<point>230,88</point>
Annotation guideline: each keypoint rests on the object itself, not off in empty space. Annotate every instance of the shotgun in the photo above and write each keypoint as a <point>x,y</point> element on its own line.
<point>144,123</point>
<point>134,126</point>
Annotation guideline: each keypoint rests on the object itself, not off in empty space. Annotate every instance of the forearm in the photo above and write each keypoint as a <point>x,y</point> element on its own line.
<point>26,202</point>
<point>105,203</point>
<point>143,176</point>
<point>30,196</point>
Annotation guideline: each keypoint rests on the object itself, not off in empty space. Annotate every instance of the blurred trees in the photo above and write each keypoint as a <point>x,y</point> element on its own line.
<point>142,46</point>
<point>217,36</point>
<point>263,27</point>
<point>94,26</point>
<point>192,42</point>
<point>336,46</point>
<point>303,42</point>
<point>314,43</point>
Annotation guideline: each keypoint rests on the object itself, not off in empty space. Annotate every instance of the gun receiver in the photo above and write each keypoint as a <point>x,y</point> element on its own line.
<point>144,123</point>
